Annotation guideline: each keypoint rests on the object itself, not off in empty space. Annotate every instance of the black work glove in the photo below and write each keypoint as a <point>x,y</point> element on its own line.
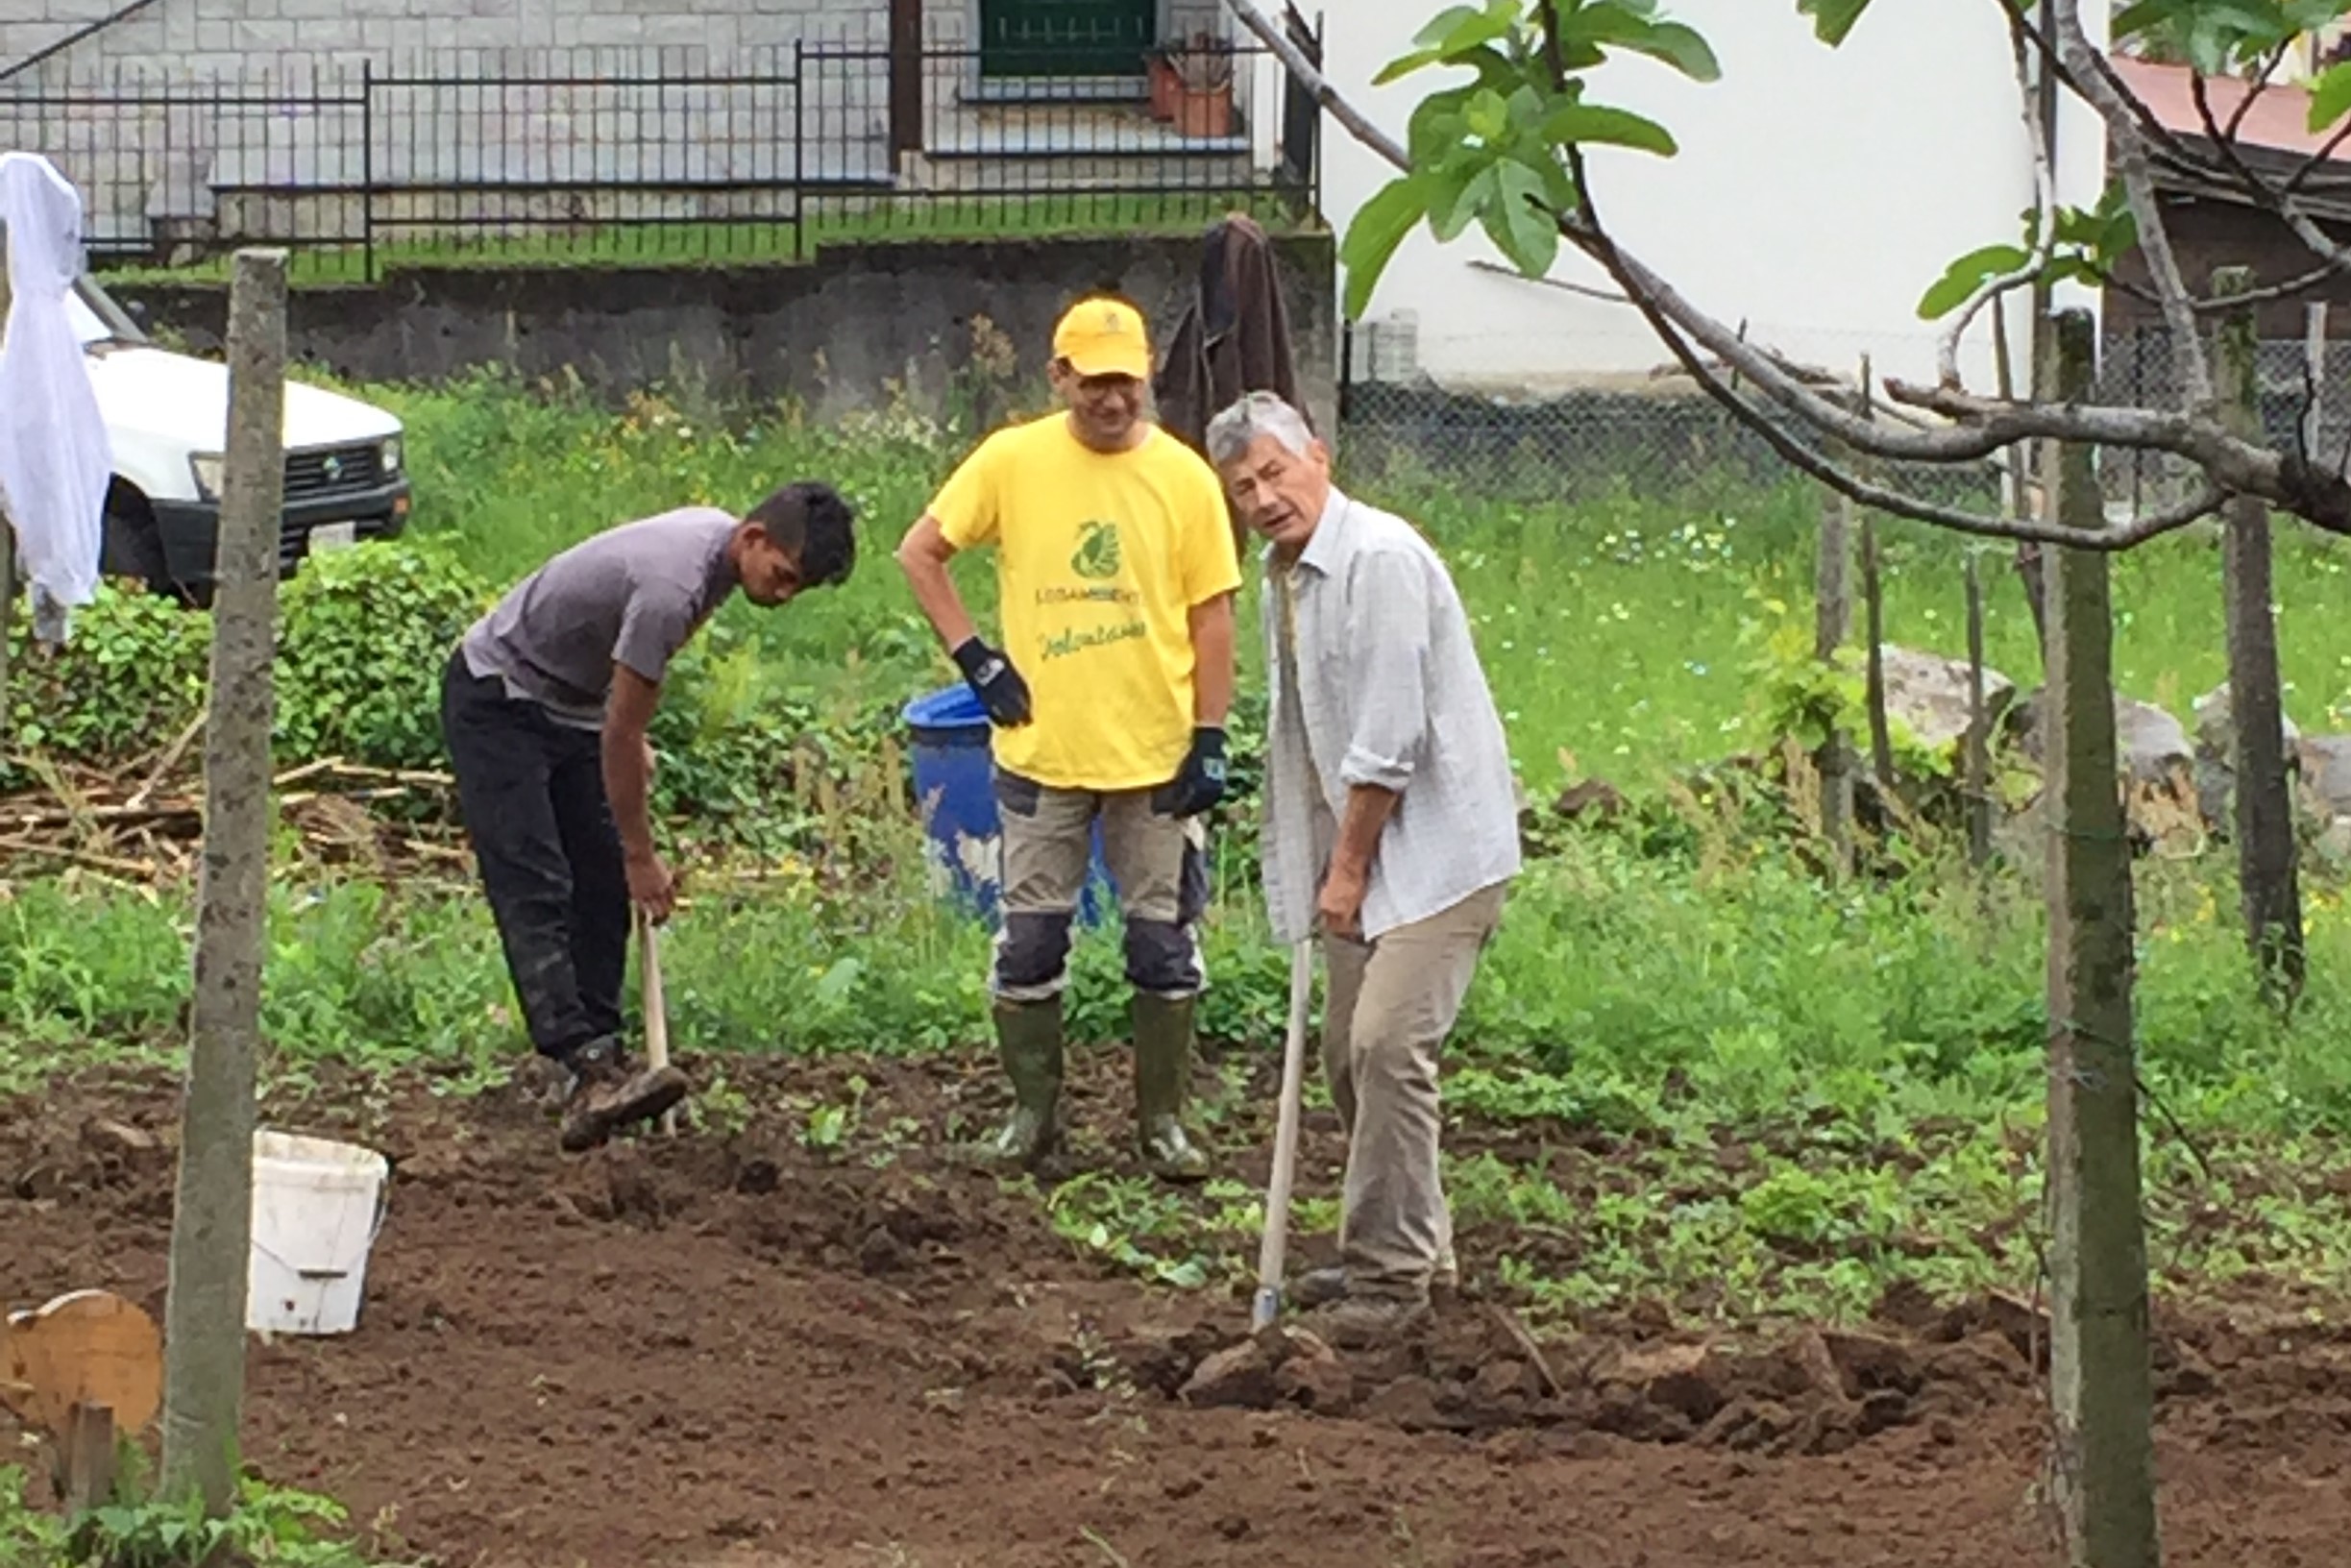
<point>1201,784</point>
<point>995,682</point>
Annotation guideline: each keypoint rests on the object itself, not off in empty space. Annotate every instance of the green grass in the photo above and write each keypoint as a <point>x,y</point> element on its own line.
<point>1688,1072</point>
<point>1620,631</point>
<point>832,220</point>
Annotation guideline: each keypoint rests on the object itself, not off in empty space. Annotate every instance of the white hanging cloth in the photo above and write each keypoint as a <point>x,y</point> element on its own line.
<point>55,461</point>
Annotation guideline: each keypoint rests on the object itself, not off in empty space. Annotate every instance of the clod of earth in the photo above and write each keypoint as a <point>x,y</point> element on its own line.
<point>1250,1375</point>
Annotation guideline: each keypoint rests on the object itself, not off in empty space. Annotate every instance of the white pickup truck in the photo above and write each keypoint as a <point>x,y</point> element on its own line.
<point>167,417</point>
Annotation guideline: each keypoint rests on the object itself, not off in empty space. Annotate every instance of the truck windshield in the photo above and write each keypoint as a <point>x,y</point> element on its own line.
<point>97,320</point>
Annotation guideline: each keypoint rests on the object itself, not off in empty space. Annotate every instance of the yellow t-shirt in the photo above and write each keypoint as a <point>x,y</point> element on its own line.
<point>1099,560</point>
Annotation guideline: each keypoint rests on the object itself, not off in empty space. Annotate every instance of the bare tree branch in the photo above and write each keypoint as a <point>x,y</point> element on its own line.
<point>2288,480</point>
<point>2128,153</point>
<point>2314,162</point>
<point>1809,460</point>
<point>1981,427</point>
<point>2278,198</point>
<point>2260,85</point>
<point>2167,147</point>
<point>2044,218</point>
<point>2199,92</point>
<point>2286,290</point>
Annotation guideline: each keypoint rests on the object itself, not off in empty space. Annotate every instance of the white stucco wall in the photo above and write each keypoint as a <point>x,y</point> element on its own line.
<point>1817,194</point>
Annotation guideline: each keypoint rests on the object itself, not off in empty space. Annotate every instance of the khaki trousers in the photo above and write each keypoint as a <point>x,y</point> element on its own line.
<point>1390,1006</point>
<point>1157,861</point>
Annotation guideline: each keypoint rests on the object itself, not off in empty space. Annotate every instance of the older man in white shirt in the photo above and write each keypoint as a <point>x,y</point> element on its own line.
<point>1390,830</point>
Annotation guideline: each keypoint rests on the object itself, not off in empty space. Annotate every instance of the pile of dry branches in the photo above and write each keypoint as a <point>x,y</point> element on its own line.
<point>145,824</point>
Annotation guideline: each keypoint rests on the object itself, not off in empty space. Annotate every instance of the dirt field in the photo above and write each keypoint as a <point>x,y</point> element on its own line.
<point>729,1351</point>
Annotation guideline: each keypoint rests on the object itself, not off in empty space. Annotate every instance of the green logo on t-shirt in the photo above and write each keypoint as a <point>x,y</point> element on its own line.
<point>1097,555</point>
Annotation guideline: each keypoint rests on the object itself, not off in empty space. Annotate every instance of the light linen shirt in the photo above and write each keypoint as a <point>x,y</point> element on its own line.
<point>1384,690</point>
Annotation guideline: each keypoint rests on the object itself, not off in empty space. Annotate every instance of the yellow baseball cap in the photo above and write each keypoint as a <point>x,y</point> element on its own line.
<point>1103,337</point>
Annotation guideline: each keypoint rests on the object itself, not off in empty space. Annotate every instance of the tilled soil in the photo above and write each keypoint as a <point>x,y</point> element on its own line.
<point>729,1350</point>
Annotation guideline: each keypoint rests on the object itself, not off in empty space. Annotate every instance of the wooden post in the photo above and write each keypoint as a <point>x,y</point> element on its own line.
<point>2314,371</point>
<point>204,1379</point>
<point>905,79</point>
<point>86,1459</point>
<point>2101,1383</point>
<point>2268,876</point>
<point>1832,626</point>
<point>1873,601</point>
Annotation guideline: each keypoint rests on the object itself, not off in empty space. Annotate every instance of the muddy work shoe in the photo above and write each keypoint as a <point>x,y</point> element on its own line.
<point>1318,1288</point>
<point>606,1096</point>
<point>1367,1322</point>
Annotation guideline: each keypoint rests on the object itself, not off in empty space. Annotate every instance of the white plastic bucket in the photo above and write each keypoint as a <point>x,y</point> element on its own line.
<point>317,1206</point>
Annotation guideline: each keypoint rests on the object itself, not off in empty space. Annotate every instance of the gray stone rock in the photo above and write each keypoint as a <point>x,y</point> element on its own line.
<point>2216,762</point>
<point>1928,694</point>
<point>2326,774</point>
<point>2155,757</point>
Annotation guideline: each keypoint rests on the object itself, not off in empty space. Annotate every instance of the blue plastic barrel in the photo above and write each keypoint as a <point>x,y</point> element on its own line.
<point>955,790</point>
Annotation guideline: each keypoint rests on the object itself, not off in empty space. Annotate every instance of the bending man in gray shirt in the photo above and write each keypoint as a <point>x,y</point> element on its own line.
<point>544,706</point>
<point>1390,828</point>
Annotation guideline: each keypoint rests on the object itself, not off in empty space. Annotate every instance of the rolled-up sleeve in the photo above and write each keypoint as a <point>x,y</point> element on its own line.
<point>1387,644</point>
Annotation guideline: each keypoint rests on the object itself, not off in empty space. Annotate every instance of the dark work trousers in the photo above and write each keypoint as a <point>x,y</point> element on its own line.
<point>533,794</point>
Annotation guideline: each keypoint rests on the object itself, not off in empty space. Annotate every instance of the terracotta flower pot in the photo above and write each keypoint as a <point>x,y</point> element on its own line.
<point>1166,86</point>
<point>1205,113</point>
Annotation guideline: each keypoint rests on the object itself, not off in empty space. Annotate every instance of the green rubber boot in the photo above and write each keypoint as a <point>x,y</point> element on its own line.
<point>1163,1065</point>
<point>1029,1039</point>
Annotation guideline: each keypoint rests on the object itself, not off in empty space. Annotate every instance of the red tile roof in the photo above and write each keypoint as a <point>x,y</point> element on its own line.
<point>2279,119</point>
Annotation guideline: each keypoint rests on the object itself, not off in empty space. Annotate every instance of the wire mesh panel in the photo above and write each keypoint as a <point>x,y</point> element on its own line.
<point>1659,432</point>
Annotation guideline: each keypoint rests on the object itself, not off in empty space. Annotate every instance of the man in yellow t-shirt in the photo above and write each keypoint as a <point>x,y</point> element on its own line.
<point>1116,570</point>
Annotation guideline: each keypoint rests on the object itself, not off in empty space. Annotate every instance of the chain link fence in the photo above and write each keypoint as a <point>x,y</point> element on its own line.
<point>1658,433</point>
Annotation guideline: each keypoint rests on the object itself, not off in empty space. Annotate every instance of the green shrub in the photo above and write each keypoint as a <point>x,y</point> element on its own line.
<point>363,636</point>
<point>129,678</point>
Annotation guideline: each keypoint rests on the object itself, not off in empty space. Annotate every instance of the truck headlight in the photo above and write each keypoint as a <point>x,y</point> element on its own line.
<point>207,466</point>
<point>391,457</point>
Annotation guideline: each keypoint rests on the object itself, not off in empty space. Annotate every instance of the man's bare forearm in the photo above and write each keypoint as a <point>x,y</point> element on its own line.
<point>923,557</point>
<point>1369,809</point>
<point>630,788</point>
<point>628,758</point>
<point>1213,645</point>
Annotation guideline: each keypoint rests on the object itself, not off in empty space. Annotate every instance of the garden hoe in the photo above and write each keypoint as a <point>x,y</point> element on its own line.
<point>1269,1259</point>
<point>656,1008</point>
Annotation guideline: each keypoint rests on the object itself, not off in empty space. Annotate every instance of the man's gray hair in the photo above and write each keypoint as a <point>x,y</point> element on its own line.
<point>1258,413</point>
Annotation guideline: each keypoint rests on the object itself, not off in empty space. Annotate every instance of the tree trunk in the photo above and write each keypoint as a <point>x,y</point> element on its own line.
<point>2266,853</point>
<point>2104,1467</point>
<point>212,1221</point>
<point>1833,624</point>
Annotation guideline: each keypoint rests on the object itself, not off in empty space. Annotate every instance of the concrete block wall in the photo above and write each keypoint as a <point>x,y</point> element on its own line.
<point>848,331</point>
<point>227,38</point>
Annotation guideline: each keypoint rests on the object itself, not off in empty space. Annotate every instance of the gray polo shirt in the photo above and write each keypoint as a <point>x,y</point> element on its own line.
<point>631,595</point>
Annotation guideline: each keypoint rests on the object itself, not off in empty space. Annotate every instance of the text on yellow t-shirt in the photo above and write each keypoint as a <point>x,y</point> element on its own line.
<point>1100,558</point>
